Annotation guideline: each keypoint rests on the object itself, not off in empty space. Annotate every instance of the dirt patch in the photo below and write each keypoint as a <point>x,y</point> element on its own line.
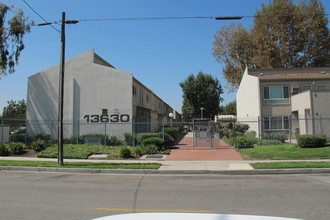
<point>28,153</point>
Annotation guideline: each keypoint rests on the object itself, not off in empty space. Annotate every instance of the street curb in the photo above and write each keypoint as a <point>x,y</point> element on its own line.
<point>167,172</point>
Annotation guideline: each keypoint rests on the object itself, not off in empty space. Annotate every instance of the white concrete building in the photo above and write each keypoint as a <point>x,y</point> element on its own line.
<point>98,98</point>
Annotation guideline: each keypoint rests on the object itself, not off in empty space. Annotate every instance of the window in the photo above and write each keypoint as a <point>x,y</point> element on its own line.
<point>276,123</point>
<point>306,88</point>
<point>104,111</point>
<point>141,97</point>
<point>276,95</point>
<point>321,86</point>
<point>134,90</point>
<point>147,98</point>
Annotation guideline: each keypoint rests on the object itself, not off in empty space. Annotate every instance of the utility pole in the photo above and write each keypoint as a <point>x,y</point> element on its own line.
<point>61,93</point>
<point>61,86</point>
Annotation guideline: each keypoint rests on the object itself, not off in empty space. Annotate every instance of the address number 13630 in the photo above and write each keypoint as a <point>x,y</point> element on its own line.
<point>107,118</point>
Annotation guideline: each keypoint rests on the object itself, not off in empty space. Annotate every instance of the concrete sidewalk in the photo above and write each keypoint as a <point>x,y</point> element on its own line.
<point>184,166</point>
<point>166,165</point>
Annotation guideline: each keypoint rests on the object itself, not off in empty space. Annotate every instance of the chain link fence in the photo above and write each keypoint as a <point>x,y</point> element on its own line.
<point>78,132</point>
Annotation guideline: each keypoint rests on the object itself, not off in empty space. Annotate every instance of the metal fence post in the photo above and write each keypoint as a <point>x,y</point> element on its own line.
<point>321,127</point>
<point>235,134</point>
<point>259,128</point>
<point>105,133</point>
<point>133,124</point>
<point>290,132</point>
<point>2,124</point>
<point>193,127</point>
<point>163,129</point>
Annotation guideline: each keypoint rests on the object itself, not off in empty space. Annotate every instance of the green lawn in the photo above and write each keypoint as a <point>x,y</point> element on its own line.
<point>88,165</point>
<point>284,152</point>
<point>288,165</point>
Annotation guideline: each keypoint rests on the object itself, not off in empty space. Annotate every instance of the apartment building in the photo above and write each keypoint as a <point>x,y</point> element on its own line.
<point>98,98</point>
<point>291,100</point>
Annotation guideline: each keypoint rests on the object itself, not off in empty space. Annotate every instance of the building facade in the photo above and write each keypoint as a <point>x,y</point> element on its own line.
<point>98,98</point>
<point>291,100</point>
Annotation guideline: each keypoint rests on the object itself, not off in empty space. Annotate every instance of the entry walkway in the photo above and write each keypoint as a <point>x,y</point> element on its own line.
<point>185,151</point>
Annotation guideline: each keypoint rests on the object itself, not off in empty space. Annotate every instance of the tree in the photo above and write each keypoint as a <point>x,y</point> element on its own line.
<point>285,34</point>
<point>229,109</point>
<point>11,37</point>
<point>15,109</point>
<point>290,35</point>
<point>200,91</point>
<point>233,46</point>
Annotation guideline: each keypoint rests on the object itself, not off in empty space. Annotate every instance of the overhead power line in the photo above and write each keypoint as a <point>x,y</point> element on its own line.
<point>165,18</point>
<point>49,23</point>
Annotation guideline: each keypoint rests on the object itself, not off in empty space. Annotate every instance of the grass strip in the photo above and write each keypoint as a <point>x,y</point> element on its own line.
<point>284,152</point>
<point>290,165</point>
<point>86,165</point>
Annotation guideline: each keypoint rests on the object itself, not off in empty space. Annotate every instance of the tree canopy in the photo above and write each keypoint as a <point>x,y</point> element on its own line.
<point>11,37</point>
<point>228,109</point>
<point>200,91</point>
<point>285,34</point>
<point>15,109</point>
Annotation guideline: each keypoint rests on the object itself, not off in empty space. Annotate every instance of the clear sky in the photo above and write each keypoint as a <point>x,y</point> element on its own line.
<point>159,53</point>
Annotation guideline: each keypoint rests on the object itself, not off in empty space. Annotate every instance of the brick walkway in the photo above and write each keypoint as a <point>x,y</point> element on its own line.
<point>219,151</point>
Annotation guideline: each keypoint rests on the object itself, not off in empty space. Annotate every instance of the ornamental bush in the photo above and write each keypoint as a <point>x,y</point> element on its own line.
<point>16,148</point>
<point>245,141</point>
<point>141,136</point>
<point>311,140</point>
<point>154,141</point>
<point>169,141</point>
<point>3,150</point>
<point>149,149</point>
<point>173,132</point>
<point>39,145</point>
<point>125,152</point>
<point>281,136</point>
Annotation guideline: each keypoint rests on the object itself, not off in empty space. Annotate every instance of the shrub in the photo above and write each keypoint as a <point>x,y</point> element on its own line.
<point>229,141</point>
<point>173,132</point>
<point>312,141</point>
<point>137,151</point>
<point>128,137</point>
<point>149,149</point>
<point>74,139</point>
<point>125,152</point>
<point>21,136</point>
<point>250,134</point>
<point>141,136</point>
<point>154,141</point>
<point>169,141</point>
<point>114,141</point>
<point>16,148</point>
<point>281,136</point>
<point>39,145</point>
<point>245,141</point>
<point>44,137</point>
<point>269,142</point>
<point>4,150</point>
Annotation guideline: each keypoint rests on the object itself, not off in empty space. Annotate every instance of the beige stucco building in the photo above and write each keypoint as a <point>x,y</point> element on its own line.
<point>98,98</point>
<point>295,100</point>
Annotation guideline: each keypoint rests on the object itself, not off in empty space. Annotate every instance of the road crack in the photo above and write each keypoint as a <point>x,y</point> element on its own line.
<point>136,193</point>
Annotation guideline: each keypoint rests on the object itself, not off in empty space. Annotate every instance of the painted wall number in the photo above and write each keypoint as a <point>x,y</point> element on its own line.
<point>107,118</point>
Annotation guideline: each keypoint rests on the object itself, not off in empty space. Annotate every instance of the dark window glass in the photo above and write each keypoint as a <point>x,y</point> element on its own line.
<point>266,92</point>
<point>286,92</point>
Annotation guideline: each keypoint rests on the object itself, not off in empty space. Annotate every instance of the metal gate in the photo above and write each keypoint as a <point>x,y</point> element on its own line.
<point>202,133</point>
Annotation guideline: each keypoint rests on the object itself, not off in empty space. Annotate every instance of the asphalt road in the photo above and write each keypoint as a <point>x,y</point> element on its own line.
<point>32,195</point>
